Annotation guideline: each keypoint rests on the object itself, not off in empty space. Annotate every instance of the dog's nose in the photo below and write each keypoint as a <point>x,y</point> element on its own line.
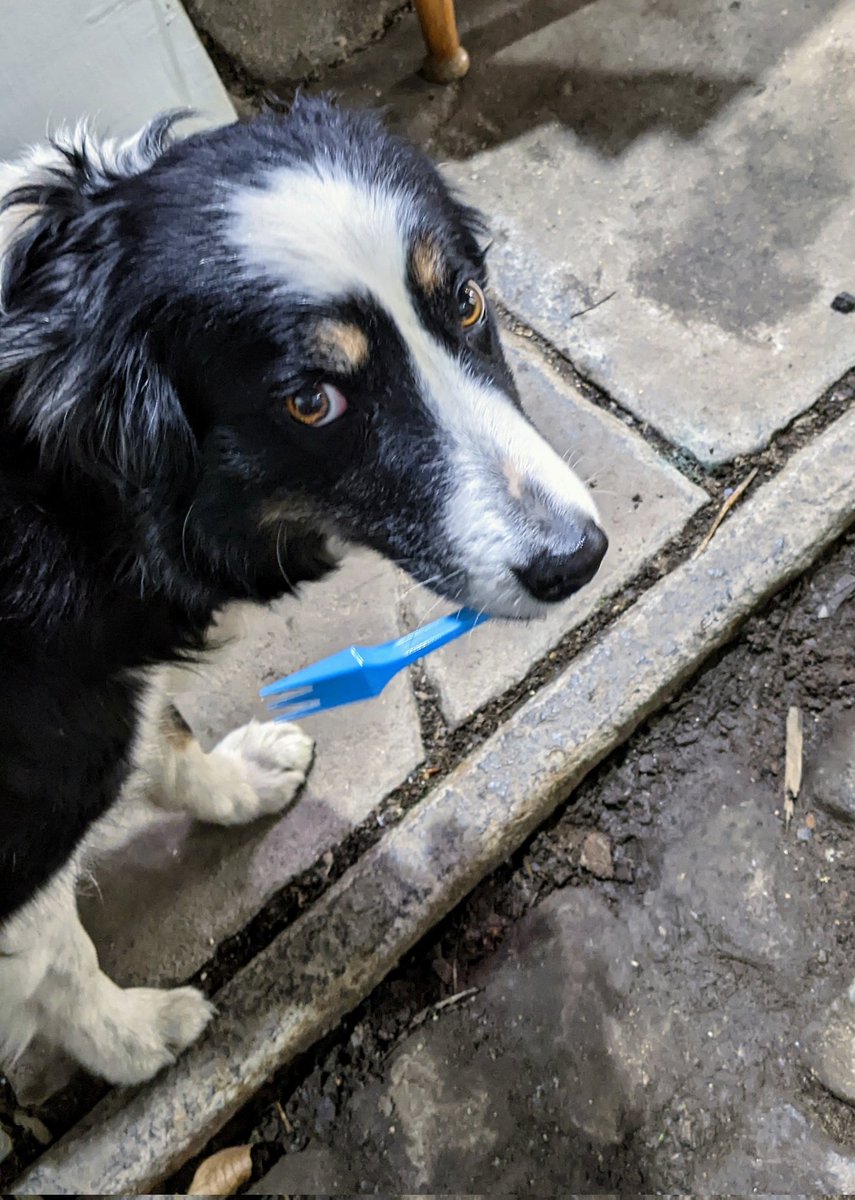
<point>552,577</point>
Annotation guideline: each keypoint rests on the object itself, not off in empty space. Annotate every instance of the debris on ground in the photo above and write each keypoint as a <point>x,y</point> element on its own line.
<point>596,856</point>
<point>842,590</point>
<point>222,1173</point>
<point>844,302</point>
<point>730,500</point>
<point>793,762</point>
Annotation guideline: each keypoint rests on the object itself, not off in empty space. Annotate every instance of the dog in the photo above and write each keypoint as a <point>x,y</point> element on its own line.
<point>217,354</point>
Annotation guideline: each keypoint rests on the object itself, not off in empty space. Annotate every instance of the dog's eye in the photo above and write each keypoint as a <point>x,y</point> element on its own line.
<point>317,407</point>
<point>471,304</point>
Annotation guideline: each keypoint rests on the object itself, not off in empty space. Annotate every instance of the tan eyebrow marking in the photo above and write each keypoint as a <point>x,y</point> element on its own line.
<point>342,345</point>
<point>429,267</point>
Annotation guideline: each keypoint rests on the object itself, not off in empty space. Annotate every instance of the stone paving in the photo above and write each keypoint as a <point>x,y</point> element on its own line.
<point>690,169</point>
<point>721,252</point>
<point>693,162</point>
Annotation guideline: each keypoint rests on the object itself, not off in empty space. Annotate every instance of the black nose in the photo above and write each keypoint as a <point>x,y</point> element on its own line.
<point>551,577</point>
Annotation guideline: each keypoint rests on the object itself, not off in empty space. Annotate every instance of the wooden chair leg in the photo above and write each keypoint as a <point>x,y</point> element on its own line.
<point>446,60</point>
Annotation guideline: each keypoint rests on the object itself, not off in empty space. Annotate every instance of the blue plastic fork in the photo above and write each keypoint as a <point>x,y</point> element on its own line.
<point>361,672</point>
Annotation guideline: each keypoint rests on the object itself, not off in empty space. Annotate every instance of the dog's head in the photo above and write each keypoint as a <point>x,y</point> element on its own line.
<point>290,316</point>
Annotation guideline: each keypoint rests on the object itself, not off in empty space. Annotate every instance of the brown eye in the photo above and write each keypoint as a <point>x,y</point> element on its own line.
<point>471,304</point>
<point>318,406</point>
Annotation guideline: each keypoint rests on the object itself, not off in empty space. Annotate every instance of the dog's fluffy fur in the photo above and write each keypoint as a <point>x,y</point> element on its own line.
<point>162,304</point>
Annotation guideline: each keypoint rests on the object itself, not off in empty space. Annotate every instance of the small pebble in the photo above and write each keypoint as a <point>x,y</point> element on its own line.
<point>803,833</point>
<point>596,855</point>
<point>844,303</point>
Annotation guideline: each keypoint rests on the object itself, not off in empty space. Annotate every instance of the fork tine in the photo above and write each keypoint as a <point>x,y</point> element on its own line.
<point>295,712</point>
<point>281,686</point>
<point>287,695</point>
<point>282,702</point>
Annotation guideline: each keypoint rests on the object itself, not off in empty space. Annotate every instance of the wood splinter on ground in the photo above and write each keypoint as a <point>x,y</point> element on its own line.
<point>793,762</point>
<point>438,1007</point>
<point>737,493</point>
<point>283,1117</point>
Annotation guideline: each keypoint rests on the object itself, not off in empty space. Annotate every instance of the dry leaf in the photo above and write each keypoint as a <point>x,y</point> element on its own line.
<point>223,1173</point>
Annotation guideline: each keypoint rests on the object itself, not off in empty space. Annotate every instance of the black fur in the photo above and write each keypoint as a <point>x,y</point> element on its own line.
<point>143,430</point>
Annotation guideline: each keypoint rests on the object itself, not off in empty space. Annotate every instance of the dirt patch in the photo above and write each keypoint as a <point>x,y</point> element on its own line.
<point>674,858</point>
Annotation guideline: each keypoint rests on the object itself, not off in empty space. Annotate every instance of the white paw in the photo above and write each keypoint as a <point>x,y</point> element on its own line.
<point>259,768</point>
<point>145,1030</point>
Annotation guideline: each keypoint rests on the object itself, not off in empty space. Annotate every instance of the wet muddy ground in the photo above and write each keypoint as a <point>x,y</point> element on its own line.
<point>654,970</point>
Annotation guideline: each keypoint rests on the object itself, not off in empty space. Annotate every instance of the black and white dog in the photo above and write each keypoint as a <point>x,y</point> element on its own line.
<point>214,354</point>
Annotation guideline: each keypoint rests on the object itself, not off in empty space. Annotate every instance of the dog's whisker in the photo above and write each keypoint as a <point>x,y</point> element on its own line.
<point>481,612</point>
<point>281,536</point>
<point>420,583</point>
<point>184,536</point>
<point>574,457</point>
<point>438,578</point>
<point>439,600</point>
<point>396,562</point>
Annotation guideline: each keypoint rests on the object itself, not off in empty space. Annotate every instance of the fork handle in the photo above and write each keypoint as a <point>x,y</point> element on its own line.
<point>415,645</point>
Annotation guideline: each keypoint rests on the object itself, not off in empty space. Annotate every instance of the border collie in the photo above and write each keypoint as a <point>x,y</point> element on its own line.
<point>215,354</point>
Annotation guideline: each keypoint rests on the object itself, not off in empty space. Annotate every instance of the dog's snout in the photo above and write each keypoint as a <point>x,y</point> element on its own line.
<point>555,576</point>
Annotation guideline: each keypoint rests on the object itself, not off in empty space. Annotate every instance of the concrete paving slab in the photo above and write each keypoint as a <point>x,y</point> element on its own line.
<point>328,960</point>
<point>180,887</point>
<point>721,245</point>
<point>694,159</point>
<point>644,502</point>
<point>276,42</point>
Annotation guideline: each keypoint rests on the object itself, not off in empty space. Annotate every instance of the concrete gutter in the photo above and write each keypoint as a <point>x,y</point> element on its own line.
<point>301,985</point>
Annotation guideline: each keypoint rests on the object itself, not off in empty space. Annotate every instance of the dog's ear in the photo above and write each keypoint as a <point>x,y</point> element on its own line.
<point>84,383</point>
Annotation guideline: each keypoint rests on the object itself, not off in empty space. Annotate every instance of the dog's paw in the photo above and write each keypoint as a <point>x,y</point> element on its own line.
<point>147,1030</point>
<point>259,768</point>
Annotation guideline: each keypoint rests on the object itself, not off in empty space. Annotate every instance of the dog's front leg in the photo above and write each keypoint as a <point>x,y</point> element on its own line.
<point>254,771</point>
<point>51,983</point>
